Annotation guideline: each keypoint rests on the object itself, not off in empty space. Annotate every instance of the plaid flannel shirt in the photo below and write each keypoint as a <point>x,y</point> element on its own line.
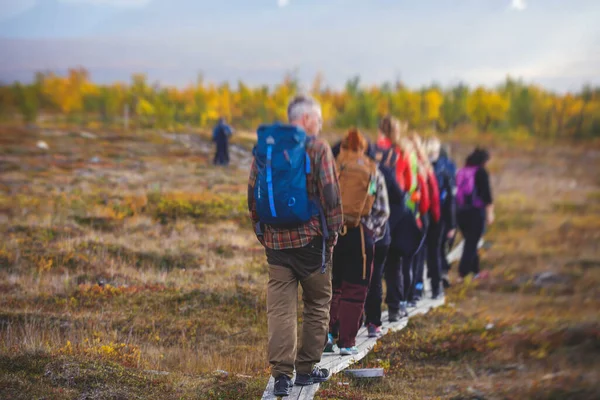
<point>380,212</point>
<point>323,174</point>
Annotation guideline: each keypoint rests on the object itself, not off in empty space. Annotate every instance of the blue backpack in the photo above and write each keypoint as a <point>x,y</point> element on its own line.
<point>445,173</point>
<point>283,164</point>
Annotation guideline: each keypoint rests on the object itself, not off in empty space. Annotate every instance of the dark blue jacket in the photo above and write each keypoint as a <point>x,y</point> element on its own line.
<point>221,132</point>
<point>445,172</point>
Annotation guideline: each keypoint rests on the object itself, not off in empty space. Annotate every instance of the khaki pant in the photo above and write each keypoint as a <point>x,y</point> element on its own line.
<point>282,310</point>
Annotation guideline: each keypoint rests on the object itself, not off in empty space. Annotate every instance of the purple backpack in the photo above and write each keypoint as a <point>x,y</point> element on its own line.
<point>466,195</point>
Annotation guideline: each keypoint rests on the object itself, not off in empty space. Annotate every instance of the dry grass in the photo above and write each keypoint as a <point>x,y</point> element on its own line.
<point>126,251</point>
<point>128,270</point>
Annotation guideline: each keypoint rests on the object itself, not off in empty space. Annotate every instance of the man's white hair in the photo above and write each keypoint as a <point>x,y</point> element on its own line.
<point>300,105</point>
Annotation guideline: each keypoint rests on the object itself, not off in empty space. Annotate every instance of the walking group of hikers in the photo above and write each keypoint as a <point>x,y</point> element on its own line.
<point>338,221</point>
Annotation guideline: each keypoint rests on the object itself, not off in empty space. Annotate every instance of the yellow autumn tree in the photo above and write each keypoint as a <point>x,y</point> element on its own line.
<point>486,107</point>
<point>432,102</point>
<point>67,93</point>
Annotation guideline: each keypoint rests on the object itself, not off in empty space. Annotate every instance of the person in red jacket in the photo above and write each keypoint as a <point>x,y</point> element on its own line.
<point>430,213</point>
<point>389,137</point>
<point>405,236</point>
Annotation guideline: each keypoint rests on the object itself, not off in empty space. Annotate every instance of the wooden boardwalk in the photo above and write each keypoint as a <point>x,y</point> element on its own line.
<point>336,363</point>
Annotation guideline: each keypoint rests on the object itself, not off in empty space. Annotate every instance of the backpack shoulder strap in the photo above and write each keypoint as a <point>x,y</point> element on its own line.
<point>389,160</point>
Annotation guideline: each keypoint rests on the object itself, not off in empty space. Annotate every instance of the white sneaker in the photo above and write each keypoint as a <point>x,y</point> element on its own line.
<point>349,351</point>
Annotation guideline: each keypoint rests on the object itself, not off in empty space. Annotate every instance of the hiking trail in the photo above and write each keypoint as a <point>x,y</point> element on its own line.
<point>336,363</point>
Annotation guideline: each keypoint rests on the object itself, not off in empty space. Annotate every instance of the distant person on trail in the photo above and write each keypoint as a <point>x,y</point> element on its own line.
<point>366,211</point>
<point>475,208</point>
<point>445,231</point>
<point>221,134</point>
<point>295,206</point>
<point>405,236</point>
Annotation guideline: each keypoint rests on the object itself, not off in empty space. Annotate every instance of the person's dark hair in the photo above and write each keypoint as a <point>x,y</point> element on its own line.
<point>445,150</point>
<point>478,158</point>
<point>386,125</point>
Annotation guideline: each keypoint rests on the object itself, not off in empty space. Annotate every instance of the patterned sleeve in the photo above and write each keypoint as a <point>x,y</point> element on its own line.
<point>329,193</point>
<point>381,209</point>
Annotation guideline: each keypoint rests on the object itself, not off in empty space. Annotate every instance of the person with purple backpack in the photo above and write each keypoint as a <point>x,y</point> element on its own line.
<point>475,208</point>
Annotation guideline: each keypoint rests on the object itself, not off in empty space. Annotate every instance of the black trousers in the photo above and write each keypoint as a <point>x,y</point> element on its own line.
<point>375,294</point>
<point>472,224</point>
<point>398,277</point>
<point>418,269</point>
<point>435,253</point>
<point>222,153</point>
<point>445,245</point>
<point>418,266</point>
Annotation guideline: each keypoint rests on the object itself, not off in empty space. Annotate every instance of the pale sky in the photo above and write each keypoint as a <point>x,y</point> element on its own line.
<point>552,42</point>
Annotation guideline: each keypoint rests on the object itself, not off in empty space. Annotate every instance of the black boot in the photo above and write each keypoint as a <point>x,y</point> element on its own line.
<point>393,314</point>
<point>283,386</point>
<point>317,375</point>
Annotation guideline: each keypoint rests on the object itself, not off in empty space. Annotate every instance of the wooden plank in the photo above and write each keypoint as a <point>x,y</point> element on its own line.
<point>298,392</point>
<point>336,363</point>
<point>365,372</point>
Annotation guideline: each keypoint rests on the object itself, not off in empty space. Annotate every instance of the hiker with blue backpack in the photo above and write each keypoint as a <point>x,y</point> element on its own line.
<point>366,211</point>
<point>221,134</point>
<point>475,208</point>
<point>440,231</point>
<point>295,206</point>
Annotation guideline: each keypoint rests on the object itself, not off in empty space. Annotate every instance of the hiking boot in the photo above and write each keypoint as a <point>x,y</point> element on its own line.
<point>446,281</point>
<point>317,375</point>
<point>437,294</point>
<point>403,310</point>
<point>374,331</point>
<point>349,351</point>
<point>329,346</point>
<point>283,386</point>
<point>394,315</point>
<point>412,304</point>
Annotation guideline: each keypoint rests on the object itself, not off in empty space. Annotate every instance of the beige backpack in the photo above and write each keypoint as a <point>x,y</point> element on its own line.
<point>357,179</point>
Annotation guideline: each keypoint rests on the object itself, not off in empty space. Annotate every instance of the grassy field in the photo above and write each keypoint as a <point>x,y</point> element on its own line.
<point>129,270</point>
